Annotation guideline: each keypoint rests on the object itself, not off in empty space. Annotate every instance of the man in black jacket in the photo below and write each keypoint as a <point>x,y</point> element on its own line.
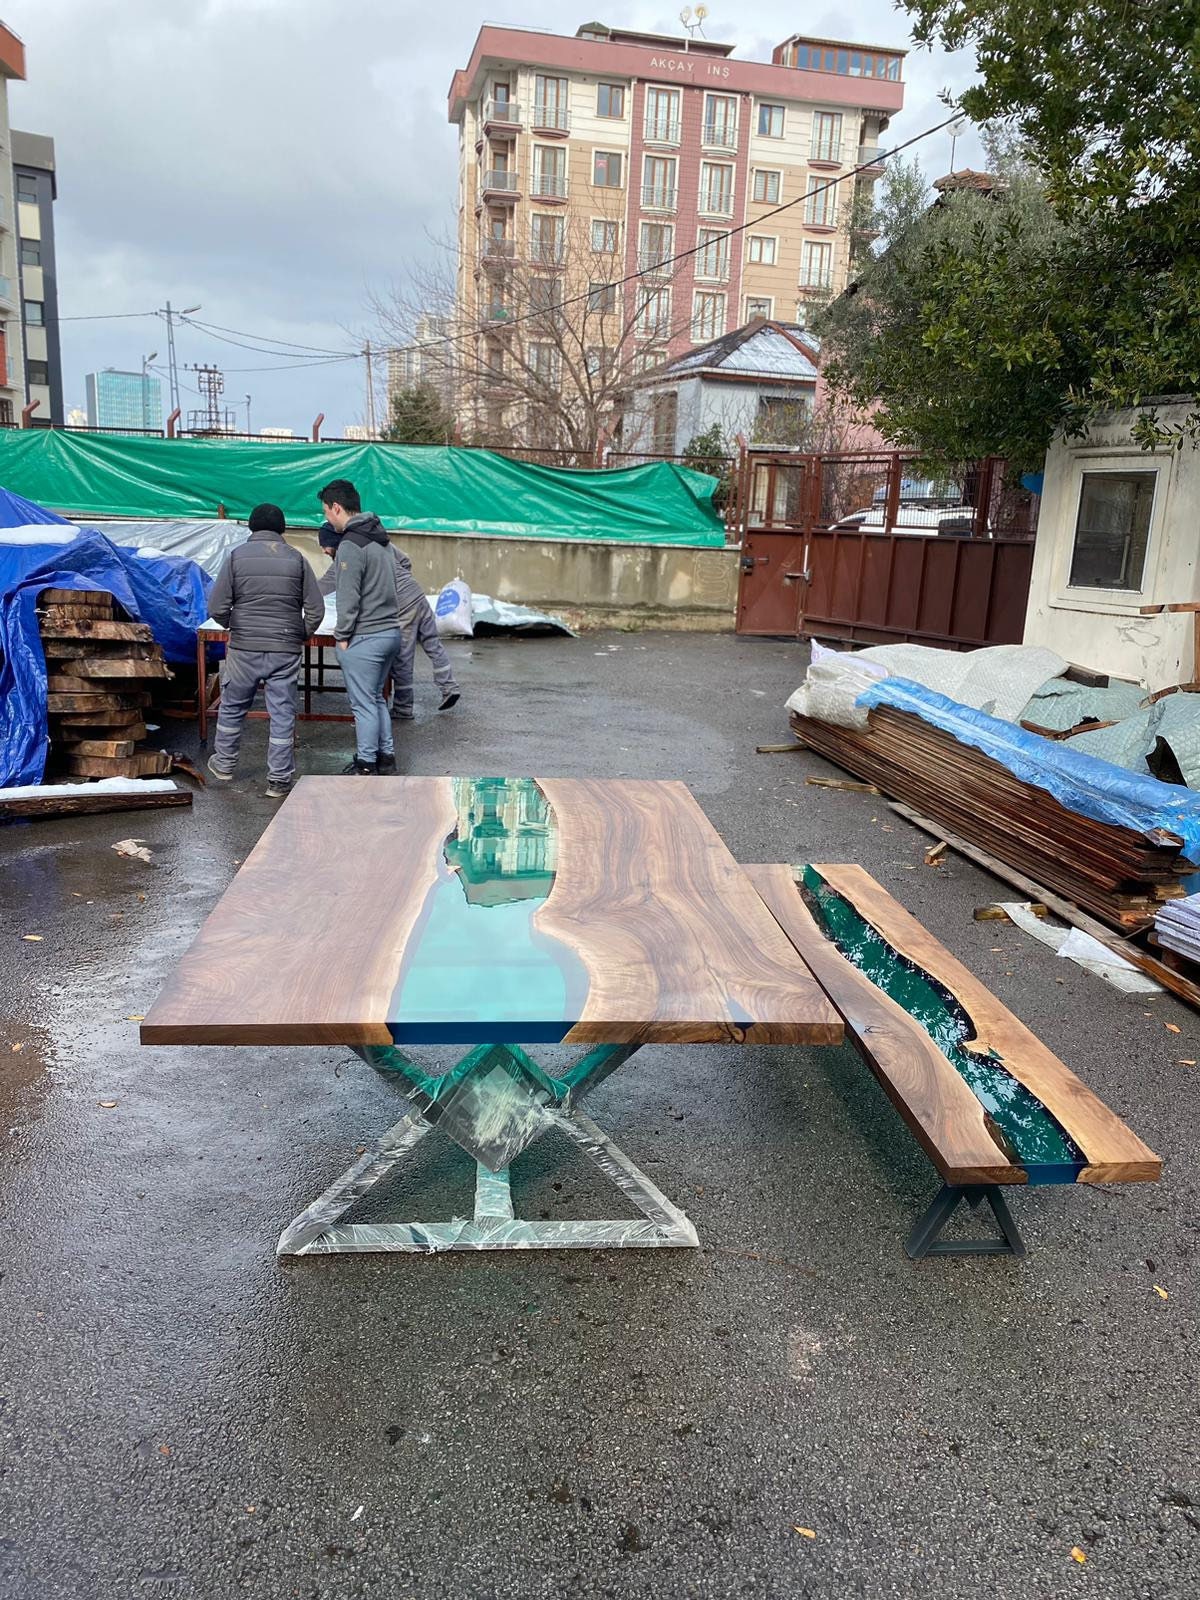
<point>266,594</point>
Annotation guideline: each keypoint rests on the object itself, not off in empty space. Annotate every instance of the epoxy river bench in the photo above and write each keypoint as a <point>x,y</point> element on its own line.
<point>495,912</point>
<point>989,1103</point>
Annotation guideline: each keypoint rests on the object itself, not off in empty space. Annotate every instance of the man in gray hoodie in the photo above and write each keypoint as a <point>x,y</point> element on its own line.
<point>266,594</point>
<point>367,630</point>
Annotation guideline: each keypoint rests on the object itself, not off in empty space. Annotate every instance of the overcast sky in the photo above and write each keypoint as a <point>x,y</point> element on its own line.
<point>276,160</point>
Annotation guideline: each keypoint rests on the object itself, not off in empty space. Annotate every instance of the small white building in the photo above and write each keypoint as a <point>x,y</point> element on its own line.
<point>1118,544</point>
<point>735,383</point>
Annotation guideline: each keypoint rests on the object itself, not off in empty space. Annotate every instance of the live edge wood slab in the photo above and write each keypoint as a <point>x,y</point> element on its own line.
<point>464,910</point>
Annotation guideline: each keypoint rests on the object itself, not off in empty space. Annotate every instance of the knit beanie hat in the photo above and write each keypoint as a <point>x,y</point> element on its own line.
<point>328,537</point>
<point>267,519</point>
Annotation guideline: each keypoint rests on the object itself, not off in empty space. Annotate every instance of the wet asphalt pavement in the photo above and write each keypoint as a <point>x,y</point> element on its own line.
<point>183,1415</point>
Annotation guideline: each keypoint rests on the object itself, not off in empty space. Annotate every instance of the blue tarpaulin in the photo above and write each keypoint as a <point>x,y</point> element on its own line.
<point>166,592</point>
<point>1082,783</point>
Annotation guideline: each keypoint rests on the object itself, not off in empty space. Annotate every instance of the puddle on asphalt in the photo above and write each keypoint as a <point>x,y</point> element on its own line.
<point>25,1055</point>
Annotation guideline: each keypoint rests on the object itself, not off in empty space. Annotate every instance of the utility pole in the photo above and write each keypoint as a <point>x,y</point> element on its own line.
<point>249,429</point>
<point>370,393</point>
<point>173,369</point>
<point>146,360</point>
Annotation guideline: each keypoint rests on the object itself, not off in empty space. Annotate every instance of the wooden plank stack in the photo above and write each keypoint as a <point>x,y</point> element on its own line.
<point>101,669</point>
<point>1121,876</point>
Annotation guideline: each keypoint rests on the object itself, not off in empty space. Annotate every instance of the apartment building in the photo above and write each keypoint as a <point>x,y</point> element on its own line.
<point>12,366</point>
<point>633,150</point>
<point>35,186</point>
<point>123,401</point>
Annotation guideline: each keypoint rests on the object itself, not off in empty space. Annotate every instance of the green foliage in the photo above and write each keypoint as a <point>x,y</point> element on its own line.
<point>1105,95</point>
<point>419,416</point>
<point>708,451</point>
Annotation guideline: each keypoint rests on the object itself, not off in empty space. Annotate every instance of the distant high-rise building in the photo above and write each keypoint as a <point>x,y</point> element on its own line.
<point>276,433</point>
<point>77,417</point>
<point>429,359</point>
<point>356,430</point>
<point>123,400</point>
<point>12,365</point>
<point>36,190</point>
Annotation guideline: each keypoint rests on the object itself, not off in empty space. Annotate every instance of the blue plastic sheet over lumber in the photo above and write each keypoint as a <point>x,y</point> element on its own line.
<point>1082,783</point>
<point>167,593</point>
<point>427,488</point>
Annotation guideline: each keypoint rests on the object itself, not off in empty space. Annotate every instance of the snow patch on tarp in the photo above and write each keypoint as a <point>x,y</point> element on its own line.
<point>1082,783</point>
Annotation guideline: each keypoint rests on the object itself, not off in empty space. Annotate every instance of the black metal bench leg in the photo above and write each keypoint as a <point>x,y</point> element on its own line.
<point>924,1240</point>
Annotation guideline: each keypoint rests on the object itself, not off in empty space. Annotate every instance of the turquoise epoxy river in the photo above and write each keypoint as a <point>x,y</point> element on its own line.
<point>477,969</point>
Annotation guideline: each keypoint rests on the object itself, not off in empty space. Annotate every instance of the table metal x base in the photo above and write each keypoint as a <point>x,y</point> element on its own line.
<point>493,1104</point>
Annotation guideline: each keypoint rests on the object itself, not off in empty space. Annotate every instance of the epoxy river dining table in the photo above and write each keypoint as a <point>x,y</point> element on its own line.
<point>499,913</point>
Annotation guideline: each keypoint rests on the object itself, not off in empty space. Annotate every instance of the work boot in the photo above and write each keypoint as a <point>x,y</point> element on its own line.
<point>279,788</point>
<point>358,769</point>
<point>218,771</point>
<point>452,699</point>
<point>386,766</point>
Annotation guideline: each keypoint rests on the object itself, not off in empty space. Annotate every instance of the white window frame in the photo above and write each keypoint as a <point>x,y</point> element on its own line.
<point>612,116</point>
<point>621,155</point>
<point>820,190</point>
<point>555,375</point>
<point>719,245</point>
<point>699,335</point>
<point>645,251</point>
<point>537,220</point>
<point>606,222</point>
<point>705,189</point>
<point>767,172</point>
<point>650,326</point>
<point>671,193</point>
<point>599,289</point>
<point>761,240</point>
<point>1117,602</point>
<point>767,299</point>
<point>817,144</point>
<point>652,133</point>
<point>559,153</point>
<point>772,105</point>
<point>823,249</point>
<point>729,122</point>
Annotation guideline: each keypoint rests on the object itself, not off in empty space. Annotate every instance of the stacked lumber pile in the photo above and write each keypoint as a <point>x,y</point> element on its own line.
<point>1121,876</point>
<point>101,669</point>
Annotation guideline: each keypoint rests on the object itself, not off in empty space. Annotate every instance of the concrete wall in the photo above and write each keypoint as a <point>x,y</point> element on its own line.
<point>590,585</point>
<point>1103,628</point>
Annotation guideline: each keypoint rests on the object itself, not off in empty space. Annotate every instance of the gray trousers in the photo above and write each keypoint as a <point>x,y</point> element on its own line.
<point>419,627</point>
<point>365,664</point>
<point>241,675</point>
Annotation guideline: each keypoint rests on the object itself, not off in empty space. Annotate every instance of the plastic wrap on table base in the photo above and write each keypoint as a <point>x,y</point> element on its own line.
<point>493,1102</point>
<point>318,1230</point>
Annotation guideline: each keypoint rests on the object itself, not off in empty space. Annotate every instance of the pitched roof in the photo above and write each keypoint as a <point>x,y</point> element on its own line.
<point>778,352</point>
<point>968,178</point>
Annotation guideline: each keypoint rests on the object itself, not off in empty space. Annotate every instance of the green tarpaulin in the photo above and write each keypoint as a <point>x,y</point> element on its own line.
<point>425,489</point>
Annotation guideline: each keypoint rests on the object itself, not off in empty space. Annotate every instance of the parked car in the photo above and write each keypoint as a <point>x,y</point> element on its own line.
<point>926,522</point>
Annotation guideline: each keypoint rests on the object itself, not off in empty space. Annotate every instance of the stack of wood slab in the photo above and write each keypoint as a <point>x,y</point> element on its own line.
<point>100,669</point>
<point>1121,876</point>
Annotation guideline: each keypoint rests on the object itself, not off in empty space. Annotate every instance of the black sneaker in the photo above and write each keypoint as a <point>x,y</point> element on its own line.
<point>358,769</point>
<point>279,788</point>
<point>452,698</point>
<point>386,766</point>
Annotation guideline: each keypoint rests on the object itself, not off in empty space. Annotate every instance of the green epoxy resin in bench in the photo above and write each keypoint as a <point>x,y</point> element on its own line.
<point>1041,1147</point>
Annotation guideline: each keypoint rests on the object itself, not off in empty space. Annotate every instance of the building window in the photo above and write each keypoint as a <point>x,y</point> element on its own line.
<point>543,364</point>
<point>770,121</point>
<point>31,253</point>
<point>549,172</point>
<point>545,298</point>
<point>610,100</point>
<point>816,265</point>
<point>761,252</point>
<point>546,240</point>
<point>662,116</point>
<point>600,363</point>
<point>654,314</point>
<point>712,256</point>
<point>6,413</point>
<point>551,98</point>
<point>1112,530</point>
<point>664,419</point>
<point>38,372</point>
<point>708,316</point>
<point>602,297</point>
<point>658,183</point>
<point>34,313</point>
<point>27,187</point>
<point>766,186</point>
<point>605,236</point>
<point>827,136</point>
<point>606,169</point>
<point>858,64</point>
<point>820,209</point>
<point>758,306</point>
<point>656,245</point>
<point>720,121</point>
<point>716,189</point>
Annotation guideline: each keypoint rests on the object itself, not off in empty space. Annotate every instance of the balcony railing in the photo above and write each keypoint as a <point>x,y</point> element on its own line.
<point>870,155</point>
<point>502,112</point>
<point>658,197</point>
<point>661,130</point>
<point>551,118</point>
<point>714,269</point>
<point>547,253</point>
<point>499,180</point>
<point>720,135</point>
<point>549,186</point>
<point>656,261</point>
<point>498,249</point>
<point>716,202</point>
<point>821,278</point>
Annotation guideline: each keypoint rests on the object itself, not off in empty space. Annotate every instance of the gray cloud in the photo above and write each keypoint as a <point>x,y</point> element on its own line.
<point>275,159</point>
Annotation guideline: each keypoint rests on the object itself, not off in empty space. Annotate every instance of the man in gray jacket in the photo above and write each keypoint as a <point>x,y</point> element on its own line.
<point>368,623</point>
<point>266,594</point>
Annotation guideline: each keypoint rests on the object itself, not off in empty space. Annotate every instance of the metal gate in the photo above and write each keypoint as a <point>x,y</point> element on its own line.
<point>858,547</point>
